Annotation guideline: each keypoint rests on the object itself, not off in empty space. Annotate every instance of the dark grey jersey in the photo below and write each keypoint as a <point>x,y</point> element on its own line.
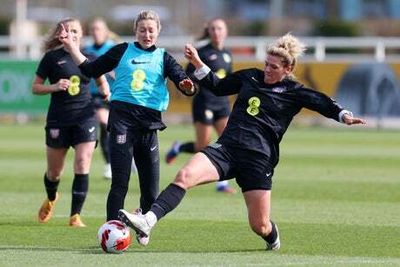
<point>262,113</point>
<point>73,105</point>
<point>220,62</point>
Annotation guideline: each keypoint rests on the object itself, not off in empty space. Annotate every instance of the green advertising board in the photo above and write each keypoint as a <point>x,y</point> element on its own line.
<point>16,88</point>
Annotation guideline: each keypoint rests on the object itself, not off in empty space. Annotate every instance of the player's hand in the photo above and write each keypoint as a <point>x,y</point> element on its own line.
<point>350,120</point>
<point>62,85</point>
<point>107,96</point>
<point>187,87</point>
<point>192,55</point>
<point>65,37</point>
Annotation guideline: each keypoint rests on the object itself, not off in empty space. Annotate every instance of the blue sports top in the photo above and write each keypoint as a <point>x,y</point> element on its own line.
<point>140,74</point>
<point>98,50</point>
<point>139,78</point>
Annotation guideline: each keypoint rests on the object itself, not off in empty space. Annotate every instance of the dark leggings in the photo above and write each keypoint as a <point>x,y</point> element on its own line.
<point>143,146</point>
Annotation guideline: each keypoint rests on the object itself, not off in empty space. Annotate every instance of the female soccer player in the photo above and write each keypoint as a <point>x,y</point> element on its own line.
<point>248,149</point>
<point>139,96</point>
<point>70,121</point>
<point>208,110</point>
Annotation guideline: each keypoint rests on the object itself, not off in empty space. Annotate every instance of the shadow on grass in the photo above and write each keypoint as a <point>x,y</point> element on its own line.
<point>94,250</point>
<point>89,250</point>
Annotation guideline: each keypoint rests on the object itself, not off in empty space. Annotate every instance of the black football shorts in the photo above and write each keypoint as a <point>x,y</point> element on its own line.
<point>66,136</point>
<point>252,170</point>
<point>209,115</point>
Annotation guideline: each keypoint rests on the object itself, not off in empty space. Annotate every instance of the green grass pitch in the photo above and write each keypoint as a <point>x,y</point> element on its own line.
<point>336,199</point>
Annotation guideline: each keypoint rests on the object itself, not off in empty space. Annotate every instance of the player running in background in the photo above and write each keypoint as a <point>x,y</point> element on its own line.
<point>70,120</point>
<point>208,110</point>
<point>100,44</point>
<point>248,149</point>
<point>139,96</point>
<point>102,40</point>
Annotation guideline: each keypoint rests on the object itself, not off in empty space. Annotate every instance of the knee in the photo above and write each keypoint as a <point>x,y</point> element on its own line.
<point>184,178</point>
<point>53,175</point>
<point>261,227</point>
<point>80,166</point>
<point>82,163</point>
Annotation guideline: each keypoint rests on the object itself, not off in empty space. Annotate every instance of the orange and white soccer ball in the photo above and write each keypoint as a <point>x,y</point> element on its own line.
<point>114,237</point>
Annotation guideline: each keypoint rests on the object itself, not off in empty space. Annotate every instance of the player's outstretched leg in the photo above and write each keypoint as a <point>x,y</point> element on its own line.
<point>168,200</point>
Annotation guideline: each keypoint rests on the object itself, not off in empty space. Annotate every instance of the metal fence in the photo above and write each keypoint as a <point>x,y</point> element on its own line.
<point>320,49</point>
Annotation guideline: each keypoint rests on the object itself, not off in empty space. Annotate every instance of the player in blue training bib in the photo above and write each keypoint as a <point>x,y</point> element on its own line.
<point>139,95</point>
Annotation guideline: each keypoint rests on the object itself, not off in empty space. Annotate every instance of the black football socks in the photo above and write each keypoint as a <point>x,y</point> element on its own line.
<point>51,188</point>
<point>80,187</point>
<point>168,200</point>
<point>271,237</point>
<point>187,147</point>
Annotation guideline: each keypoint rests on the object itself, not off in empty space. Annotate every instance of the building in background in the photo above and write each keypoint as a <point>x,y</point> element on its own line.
<point>252,23</point>
<point>186,16</point>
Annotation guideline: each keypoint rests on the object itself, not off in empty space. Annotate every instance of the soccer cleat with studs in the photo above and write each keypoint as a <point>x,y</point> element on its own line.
<point>141,239</point>
<point>172,152</point>
<point>277,243</point>
<point>46,210</point>
<point>135,221</point>
<point>75,221</point>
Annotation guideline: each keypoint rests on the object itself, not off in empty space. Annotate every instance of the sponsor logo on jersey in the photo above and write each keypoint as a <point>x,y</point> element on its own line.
<point>254,79</point>
<point>213,57</point>
<point>227,58</point>
<point>221,73</point>
<point>134,62</point>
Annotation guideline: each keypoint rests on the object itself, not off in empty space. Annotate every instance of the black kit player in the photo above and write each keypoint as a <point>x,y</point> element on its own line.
<point>249,146</point>
<point>70,120</point>
<point>208,110</point>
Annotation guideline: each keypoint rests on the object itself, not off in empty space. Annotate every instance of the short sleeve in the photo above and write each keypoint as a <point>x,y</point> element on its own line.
<point>43,70</point>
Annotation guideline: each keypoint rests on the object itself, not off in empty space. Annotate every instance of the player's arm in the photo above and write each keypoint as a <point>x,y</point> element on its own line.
<point>101,65</point>
<point>326,106</point>
<point>174,71</point>
<point>229,85</point>
<point>106,63</point>
<point>40,88</point>
<point>348,118</point>
<point>103,87</point>
<point>73,48</point>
